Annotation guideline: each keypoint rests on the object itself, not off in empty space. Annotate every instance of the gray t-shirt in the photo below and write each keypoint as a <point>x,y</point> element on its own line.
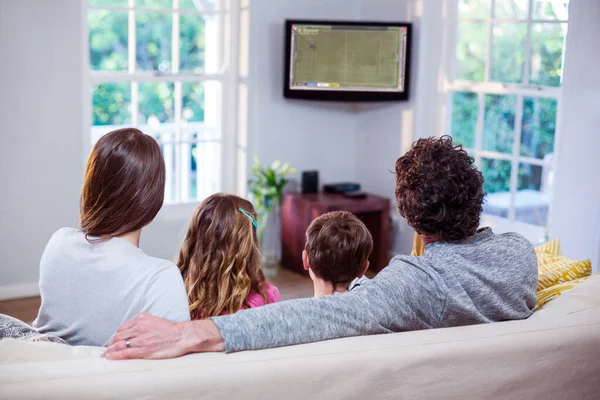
<point>485,278</point>
<point>89,289</point>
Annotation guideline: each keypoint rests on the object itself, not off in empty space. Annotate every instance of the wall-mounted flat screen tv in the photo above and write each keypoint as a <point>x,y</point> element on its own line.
<point>347,60</point>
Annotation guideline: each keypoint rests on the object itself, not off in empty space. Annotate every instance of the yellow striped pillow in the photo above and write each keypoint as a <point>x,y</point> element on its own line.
<point>550,257</point>
<point>561,271</point>
<point>550,262</point>
<point>544,296</point>
<point>552,247</point>
<point>555,269</point>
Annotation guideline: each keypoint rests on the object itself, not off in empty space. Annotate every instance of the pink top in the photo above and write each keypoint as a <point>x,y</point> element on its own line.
<point>254,299</point>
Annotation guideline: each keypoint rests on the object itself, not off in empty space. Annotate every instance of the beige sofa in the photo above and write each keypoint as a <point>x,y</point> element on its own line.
<point>555,354</point>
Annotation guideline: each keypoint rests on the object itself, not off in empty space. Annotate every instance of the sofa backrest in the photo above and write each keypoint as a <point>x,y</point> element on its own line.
<point>553,354</point>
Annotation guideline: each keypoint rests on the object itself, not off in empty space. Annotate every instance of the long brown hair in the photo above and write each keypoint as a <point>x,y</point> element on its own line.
<point>220,259</point>
<point>124,184</point>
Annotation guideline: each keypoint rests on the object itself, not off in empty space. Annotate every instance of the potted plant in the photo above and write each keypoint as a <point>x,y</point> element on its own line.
<point>266,188</point>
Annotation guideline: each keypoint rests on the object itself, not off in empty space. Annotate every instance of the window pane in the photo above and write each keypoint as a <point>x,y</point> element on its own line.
<point>193,102</point>
<point>508,51</point>
<point>465,106</point>
<point>470,9</point>
<point>499,123</point>
<point>200,43</point>
<point>192,46</point>
<point>511,9</point>
<point>203,5</point>
<point>114,3</point>
<point>108,40</point>
<point>547,42</point>
<point>531,204</point>
<point>194,173</point>
<point>207,156</point>
<point>530,177</point>
<point>551,9</point>
<point>155,103</point>
<point>154,3</point>
<point>201,102</point>
<point>111,104</point>
<point>153,41</point>
<point>471,48</point>
<point>496,175</point>
<point>539,125</point>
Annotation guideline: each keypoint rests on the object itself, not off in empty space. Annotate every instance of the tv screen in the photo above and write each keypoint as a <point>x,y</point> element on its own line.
<point>347,61</point>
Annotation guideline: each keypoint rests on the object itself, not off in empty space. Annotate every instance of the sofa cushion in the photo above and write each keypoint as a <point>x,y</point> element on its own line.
<point>552,247</point>
<point>563,269</point>
<point>13,328</point>
<point>555,269</point>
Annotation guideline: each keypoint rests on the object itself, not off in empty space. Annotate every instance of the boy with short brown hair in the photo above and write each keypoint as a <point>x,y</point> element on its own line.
<point>338,246</point>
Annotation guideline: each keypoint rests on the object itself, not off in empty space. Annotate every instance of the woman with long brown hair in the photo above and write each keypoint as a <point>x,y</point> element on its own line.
<point>96,277</point>
<point>220,259</point>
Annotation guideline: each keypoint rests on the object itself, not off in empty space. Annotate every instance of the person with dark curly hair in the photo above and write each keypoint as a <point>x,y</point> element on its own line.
<point>466,276</point>
<point>439,190</point>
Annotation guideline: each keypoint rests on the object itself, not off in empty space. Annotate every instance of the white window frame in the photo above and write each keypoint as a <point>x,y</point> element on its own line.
<point>519,90</point>
<point>226,76</point>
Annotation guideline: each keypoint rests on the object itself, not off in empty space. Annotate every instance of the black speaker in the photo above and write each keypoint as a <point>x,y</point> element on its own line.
<point>310,182</point>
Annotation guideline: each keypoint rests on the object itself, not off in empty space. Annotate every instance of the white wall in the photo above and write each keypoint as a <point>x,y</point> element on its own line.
<point>41,125</point>
<point>576,208</point>
<point>163,237</point>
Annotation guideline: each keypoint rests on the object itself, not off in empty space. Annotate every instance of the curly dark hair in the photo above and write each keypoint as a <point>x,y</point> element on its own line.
<point>439,190</point>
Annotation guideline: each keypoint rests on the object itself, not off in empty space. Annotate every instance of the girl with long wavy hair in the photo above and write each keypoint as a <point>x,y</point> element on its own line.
<point>220,259</point>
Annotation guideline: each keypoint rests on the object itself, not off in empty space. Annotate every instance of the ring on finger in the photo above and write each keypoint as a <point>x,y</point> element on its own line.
<point>127,343</point>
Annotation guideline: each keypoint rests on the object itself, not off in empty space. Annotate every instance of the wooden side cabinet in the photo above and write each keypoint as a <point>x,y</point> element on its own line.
<point>299,210</point>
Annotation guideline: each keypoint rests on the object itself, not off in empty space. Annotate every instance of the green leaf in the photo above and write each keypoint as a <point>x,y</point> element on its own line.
<point>270,175</point>
<point>268,184</point>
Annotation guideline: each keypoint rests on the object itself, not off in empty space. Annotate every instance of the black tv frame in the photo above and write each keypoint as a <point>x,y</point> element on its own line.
<point>337,95</point>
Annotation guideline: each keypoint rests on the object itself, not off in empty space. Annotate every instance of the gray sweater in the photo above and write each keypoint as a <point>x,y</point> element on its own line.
<point>483,279</point>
